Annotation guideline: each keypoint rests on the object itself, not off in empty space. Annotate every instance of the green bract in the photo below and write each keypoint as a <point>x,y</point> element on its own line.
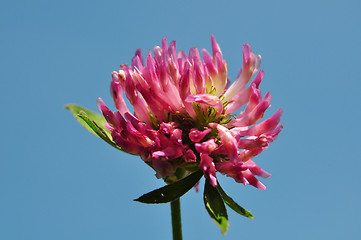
<point>92,122</point>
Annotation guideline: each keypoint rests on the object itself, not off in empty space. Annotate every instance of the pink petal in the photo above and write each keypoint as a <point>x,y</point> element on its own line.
<point>208,60</point>
<point>265,126</point>
<point>246,155</point>
<point>182,59</point>
<point>184,84</point>
<point>272,135</point>
<point>259,171</point>
<point>189,156</point>
<point>169,152</point>
<point>117,94</point>
<point>249,143</point>
<point>166,128</point>
<point>176,136</point>
<point>199,78</point>
<point>221,80</point>
<point>251,64</point>
<point>196,136</point>
<point>207,99</point>
<point>253,112</point>
<point>128,145</point>
<point>215,47</point>
<point>207,146</point>
<point>208,168</point>
<point>109,116</point>
<point>257,80</point>
<point>239,100</point>
<point>162,167</point>
<point>228,141</point>
<point>252,180</point>
<point>137,60</point>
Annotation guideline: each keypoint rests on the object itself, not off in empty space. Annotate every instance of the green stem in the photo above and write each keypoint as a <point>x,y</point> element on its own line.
<point>176,219</point>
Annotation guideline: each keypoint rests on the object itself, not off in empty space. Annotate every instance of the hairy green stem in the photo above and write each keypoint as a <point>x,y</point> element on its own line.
<point>176,219</point>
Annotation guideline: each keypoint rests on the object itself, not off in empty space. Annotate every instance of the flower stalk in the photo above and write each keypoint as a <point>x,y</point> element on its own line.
<point>176,219</point>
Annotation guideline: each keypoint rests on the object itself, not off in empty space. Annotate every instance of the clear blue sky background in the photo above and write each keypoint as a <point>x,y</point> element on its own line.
<point>58,182</point>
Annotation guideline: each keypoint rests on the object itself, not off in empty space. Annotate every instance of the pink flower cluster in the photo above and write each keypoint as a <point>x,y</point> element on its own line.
<point>183,113</point>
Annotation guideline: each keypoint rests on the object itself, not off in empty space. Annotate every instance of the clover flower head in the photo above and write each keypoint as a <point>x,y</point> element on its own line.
<point>184,113</point>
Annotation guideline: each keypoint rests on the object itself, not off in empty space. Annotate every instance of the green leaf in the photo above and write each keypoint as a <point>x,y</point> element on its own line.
<point>232,204</point>
<point>99,119</point>
<point>172,191</point>
<point>92,122</point>
<point>215,206</point>
<point>94,126</point>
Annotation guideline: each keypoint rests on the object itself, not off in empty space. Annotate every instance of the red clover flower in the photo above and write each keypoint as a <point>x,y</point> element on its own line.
<point>183,113</point>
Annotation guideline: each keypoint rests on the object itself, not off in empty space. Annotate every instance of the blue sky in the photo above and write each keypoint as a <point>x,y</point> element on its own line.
<point>57,181</point>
